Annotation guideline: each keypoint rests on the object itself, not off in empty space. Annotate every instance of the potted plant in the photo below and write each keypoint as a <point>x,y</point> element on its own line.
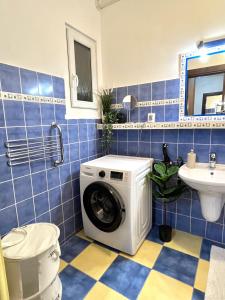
<point>106,97</point>
<point>109,117</point>
<point>167,188</point>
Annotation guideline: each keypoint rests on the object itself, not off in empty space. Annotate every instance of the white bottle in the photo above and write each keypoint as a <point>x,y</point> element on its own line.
<point>191,159</point>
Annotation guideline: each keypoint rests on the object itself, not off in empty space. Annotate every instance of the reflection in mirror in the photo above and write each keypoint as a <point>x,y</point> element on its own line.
<point>129,103</point>
<point>205,84</point>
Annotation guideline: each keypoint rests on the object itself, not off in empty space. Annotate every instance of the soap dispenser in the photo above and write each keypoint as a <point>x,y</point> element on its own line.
<point>191,159</point>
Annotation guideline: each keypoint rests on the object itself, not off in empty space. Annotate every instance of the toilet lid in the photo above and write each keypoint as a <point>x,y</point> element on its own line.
<point>29,241</point>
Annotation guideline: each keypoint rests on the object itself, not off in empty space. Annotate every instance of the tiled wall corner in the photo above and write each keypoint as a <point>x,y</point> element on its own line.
<point>185,214</point>
<point>39,192</point>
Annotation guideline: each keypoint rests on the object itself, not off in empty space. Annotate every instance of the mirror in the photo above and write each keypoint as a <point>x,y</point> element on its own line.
<point>205,84</point>
<point>129,103</point>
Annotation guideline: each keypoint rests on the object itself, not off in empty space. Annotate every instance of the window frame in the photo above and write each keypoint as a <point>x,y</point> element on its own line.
<point>72,35</point>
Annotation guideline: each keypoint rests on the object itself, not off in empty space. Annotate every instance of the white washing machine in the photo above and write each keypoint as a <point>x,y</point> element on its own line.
<point>116,201</point>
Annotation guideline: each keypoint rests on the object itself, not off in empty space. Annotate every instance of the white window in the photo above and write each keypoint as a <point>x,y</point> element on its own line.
<point>82,69</point>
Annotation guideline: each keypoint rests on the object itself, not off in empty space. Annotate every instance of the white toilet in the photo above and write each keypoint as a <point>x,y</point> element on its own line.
<point>32,262</point>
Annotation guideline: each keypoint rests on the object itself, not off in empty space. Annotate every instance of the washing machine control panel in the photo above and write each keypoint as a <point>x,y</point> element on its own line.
<point>101,174</point>
<point>116,175</point>
<point>113,175</point>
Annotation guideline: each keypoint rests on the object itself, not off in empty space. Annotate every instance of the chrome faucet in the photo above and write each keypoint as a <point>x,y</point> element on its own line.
<point>212,160</point>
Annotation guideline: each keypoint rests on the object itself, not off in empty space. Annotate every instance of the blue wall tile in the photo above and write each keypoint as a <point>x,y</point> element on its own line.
<point>83,149</point>
<point>14,113</point>
<point>144,111</point>
<point>39,182</point>
<point>172,113</point>
<point>198,227</point>
<point>74,151</point>
<point>55,197</point>
<point>82,132</point>
<point>46,219</point>
<point>57,215</point>
<point>183,223</point>
<point>133,90</point>
<point>65,174</point>
<point>133,148</point>
<point>2,140</point>
<point>67,208</point>
<point>25,211</point>
<point>60,112</point>
<point>73,133</point>
<point>32,113</point>
<point>202,136</point>
<point>158,90</point>
<point>22,188</point>
<point>2,117</point>
<point>10,79</point>
<point>6,194</point>
<point>5,170</point>
<point>172,89</point>
<point>53,178</point>
<point>214,232</point>
<point>67,192</point>
<point>8,219</point>
<point>145,92</point>
<point>171,136</point>
<point>45,85</point>
<point>186,136</point>
<point>47,114</point>
<point>69,226</point>
<point>58,87</point>
<point>218,136</point>
<point>29,82</point>
<point>159,113</point>
<point>157,136</point>
<point>41,203</point>
<point>144,149</point>
<point>121,93</point>
<point>202,152</point>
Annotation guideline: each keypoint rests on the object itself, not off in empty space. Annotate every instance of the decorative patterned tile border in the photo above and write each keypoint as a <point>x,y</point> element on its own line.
<point>183,63</point>
<point>168,125</point>
<point>30,98</point>
<point>150,103</point>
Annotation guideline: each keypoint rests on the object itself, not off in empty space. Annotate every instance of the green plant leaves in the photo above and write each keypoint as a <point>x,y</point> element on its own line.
<point>172,170</point>
<point>160,168</point>
<point>166,190</point>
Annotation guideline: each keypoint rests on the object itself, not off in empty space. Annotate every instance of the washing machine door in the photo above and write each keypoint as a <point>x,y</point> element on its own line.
<point>104,206</point>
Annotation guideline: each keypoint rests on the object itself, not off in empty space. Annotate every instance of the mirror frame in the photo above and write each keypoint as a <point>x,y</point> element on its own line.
<point>183,86</point>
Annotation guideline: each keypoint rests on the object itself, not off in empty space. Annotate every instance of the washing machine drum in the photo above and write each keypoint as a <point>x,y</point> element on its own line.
<point>104,206</point>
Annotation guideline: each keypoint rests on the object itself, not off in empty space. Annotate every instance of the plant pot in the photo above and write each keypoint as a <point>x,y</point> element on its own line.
<point>165,233</point>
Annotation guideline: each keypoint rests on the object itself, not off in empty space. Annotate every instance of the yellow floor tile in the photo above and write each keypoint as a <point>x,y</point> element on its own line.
<point>186,243</point>
<point>82,235</point>
<point>62,265</point>
<point>161,287</point>
<point>101,291</point>
<point>94,260</point>
<point>202,275</point>
<point>146,254</point>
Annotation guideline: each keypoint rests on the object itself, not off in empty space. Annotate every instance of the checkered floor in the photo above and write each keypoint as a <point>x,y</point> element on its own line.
<point>171,271</point>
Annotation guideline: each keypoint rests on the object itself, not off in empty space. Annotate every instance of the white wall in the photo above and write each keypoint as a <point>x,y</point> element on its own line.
<point>141,39</point>
<point>33,36</point>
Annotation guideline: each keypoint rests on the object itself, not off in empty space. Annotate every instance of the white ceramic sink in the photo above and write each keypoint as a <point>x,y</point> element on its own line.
<point>210,184</point>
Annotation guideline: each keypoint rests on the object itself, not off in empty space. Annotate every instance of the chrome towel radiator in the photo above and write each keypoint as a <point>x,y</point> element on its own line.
<point>24,151</point>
